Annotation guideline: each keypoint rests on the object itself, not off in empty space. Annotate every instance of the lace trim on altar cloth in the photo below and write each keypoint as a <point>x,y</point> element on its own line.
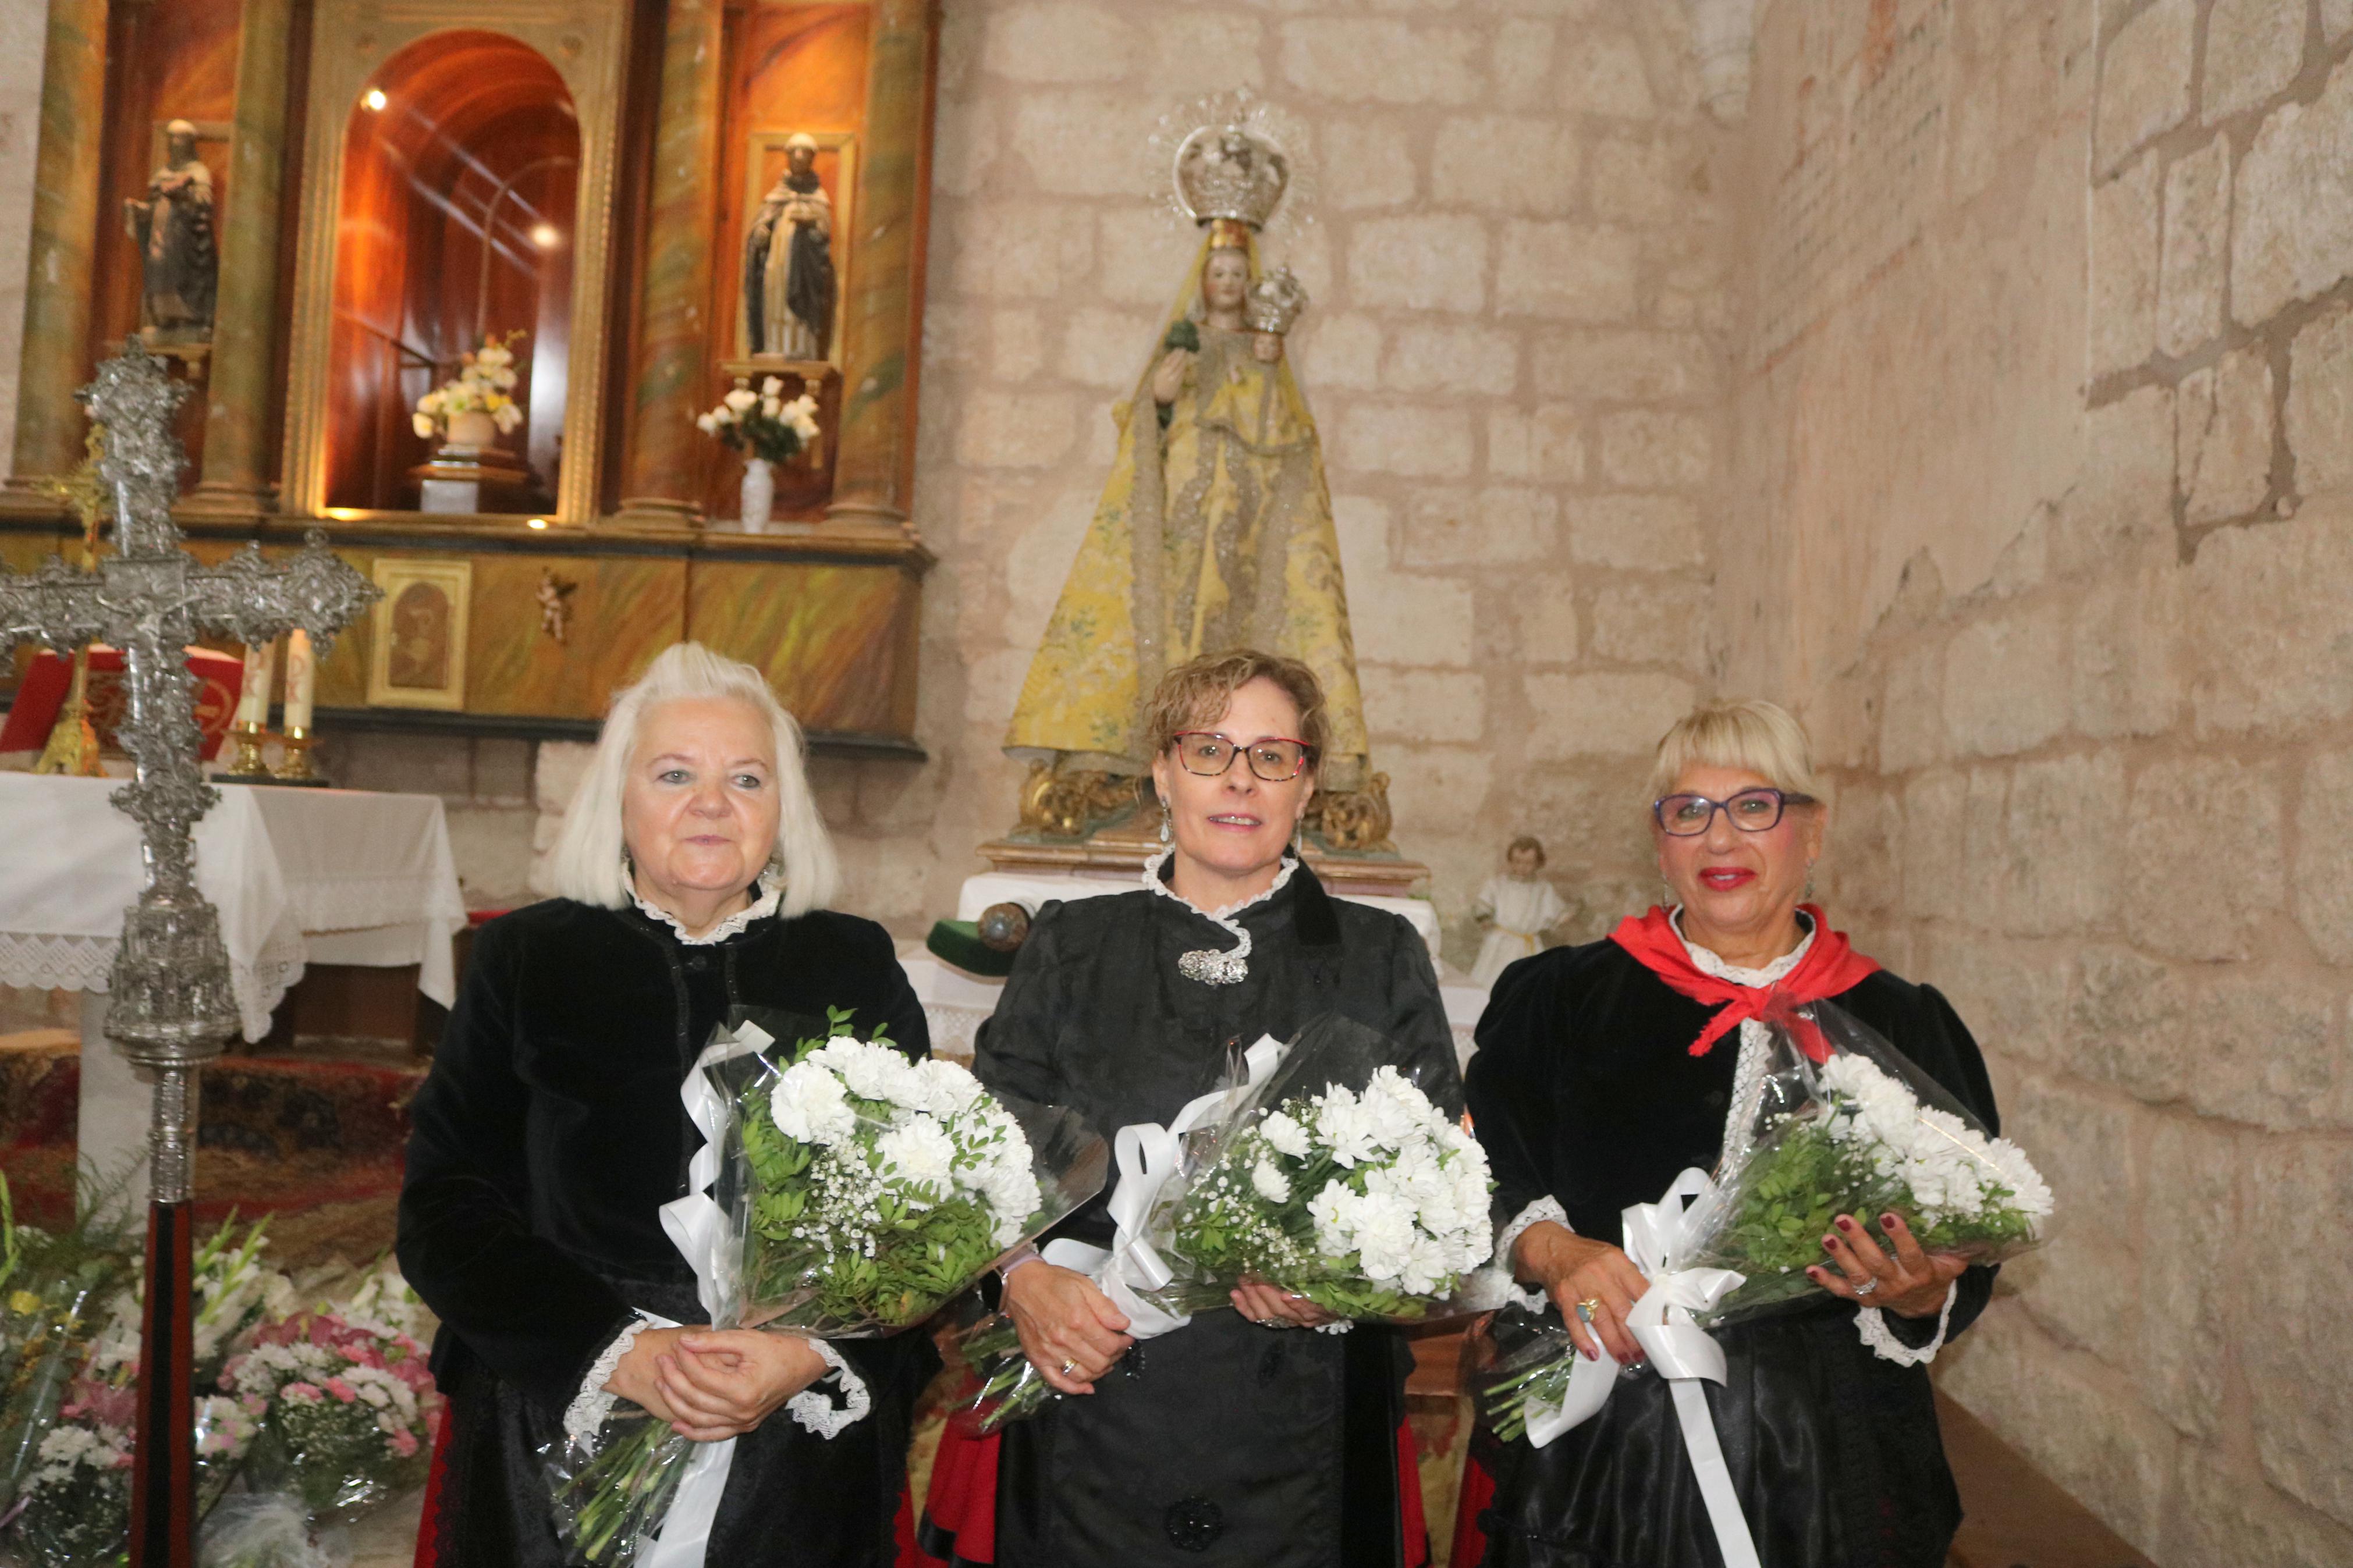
<point>1209,966</point>
<point>761,907</point>
<point>1544,1208</point>
<point>817,1414</point>
<point>43,962</point>
<point>594,1403</point>
<point>1871,1323</point>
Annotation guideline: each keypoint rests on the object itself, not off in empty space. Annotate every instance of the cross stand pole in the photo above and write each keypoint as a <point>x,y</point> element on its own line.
<point>171,1006</point>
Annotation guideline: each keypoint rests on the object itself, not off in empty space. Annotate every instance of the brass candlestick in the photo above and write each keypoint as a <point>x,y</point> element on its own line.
<point>244,763</point>
<point>297,769</point>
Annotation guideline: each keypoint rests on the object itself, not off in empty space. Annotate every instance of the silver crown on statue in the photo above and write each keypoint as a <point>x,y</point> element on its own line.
<point>1274,302</point>
<point>1233,160</point>
<point>1228,172</point>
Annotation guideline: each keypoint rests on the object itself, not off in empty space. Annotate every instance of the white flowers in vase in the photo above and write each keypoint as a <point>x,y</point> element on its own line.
<point>762,423</point>
<point>484,385</point>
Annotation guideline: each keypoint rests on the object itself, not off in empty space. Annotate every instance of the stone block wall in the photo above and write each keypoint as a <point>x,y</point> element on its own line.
<point>1513,354</point>
<point>2086,683</point>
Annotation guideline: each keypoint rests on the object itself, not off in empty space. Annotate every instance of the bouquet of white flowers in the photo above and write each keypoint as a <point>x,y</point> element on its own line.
<point>1327,1171</point>
<point>484,383</point>
<point>853,1191</point>
<point>1845,1124</point>
<point>763,424</point>
<point>1841,1123</point>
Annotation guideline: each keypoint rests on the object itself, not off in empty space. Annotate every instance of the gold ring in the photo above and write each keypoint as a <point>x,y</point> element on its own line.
<point>1069,1366</point>
<point>1589,1307</point>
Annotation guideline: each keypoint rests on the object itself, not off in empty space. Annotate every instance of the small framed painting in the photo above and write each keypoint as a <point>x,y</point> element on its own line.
<point>417,656</point>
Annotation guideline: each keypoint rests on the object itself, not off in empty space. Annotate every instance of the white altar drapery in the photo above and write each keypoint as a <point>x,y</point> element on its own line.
<point>299,876</point>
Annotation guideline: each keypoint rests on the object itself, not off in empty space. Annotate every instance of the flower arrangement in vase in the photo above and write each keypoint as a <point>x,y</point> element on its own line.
<point>475,408</point>
<point>767,430</point>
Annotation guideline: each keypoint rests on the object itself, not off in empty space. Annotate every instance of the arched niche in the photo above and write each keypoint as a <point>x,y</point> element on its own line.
<point>496,119</point>
<point>456,222</point>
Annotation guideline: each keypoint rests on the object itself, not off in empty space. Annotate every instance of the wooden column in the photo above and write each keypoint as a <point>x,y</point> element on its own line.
<point>50,423</point>
<point>236,474</point>
<point>673,382</point>
<point>874,470</point>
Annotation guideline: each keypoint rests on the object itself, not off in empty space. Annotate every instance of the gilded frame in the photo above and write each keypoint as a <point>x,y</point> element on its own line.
<point>396,574</point>
<point>584,40</point>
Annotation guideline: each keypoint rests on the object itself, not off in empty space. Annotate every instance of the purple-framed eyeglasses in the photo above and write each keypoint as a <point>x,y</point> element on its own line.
<point>1751,811</point>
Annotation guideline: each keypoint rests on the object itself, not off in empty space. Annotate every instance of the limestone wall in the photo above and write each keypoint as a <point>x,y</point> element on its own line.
<point>2042,505</point>
<point>1513,355</point>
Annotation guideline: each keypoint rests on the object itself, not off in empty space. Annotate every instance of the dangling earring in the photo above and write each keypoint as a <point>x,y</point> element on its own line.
<point>1809,894</point>
<point>1164,823</point>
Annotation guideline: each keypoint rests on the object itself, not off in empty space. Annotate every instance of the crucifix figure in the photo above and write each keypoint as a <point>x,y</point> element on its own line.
<point>170,1006</point>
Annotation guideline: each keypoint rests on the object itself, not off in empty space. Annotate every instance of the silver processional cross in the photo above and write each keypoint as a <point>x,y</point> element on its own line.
<point>170,1006</point>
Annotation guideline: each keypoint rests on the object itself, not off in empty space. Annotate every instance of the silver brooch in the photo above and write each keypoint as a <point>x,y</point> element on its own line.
<point>1211,968</point>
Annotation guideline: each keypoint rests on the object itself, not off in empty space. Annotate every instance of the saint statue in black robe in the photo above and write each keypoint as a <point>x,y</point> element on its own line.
<point>179,261</point>
<point>788,277</point>
<point>1224,1442</point>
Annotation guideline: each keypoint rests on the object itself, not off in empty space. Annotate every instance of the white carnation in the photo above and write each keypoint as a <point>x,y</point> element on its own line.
<point>808,1105</point>
<point>1334,1211</point>
<point>1285,1134</point>
<point>1271,1184</point>
<point>918,1151</point>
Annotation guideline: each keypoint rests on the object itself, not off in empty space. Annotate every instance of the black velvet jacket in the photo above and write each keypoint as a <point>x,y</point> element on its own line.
<point>543,1143</point>
<point>1224,1442</point>
<point>1584,1088</point>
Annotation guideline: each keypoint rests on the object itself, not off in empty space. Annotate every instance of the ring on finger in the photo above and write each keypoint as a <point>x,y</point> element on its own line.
<point>1588,1308</point>
<point>1069,1366</point>
<point>1868,1285</point>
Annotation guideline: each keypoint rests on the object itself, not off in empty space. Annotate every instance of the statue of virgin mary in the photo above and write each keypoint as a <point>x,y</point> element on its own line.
<point>1215,527</point>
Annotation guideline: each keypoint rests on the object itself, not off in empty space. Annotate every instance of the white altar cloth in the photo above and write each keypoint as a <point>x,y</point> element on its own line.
<point>299,876</point>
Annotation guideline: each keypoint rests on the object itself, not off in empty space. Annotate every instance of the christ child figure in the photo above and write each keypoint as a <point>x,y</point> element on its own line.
<point>1518,908</point>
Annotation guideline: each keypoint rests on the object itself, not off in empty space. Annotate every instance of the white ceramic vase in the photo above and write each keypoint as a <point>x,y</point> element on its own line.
<point>759,494</point>
<point>472,429</point>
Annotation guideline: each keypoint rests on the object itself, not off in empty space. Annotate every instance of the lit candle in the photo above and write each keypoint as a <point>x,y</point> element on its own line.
<point>301,680</point>
<point>253,695</point>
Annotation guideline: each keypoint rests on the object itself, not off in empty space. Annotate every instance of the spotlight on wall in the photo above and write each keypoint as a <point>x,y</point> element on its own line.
<point>537,522</point>
<point>546,236</point>
<point>375,99</point>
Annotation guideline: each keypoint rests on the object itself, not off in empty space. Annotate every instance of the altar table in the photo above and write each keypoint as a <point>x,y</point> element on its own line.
<point>301,876</point>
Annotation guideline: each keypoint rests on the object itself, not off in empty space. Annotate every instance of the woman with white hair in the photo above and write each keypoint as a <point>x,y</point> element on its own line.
<point>692,876</point>
<point>1602,1072</point>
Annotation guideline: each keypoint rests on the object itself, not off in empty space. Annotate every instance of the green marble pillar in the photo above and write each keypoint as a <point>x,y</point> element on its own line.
<point>673,383</point>
<point>875,467</point>
<point>236,474</point>
<point>49,424</point>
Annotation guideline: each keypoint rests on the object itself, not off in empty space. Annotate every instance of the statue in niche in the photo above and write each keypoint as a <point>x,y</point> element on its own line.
<point>788,279</point>
<point>180,263</point>
<point>1214,531</point>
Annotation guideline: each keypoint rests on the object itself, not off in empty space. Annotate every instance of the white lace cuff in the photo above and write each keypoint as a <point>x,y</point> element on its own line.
<point>1872,1324</point>
<point>594,1403</point>
<point>1544,1208</point>
<point>817,1413</point>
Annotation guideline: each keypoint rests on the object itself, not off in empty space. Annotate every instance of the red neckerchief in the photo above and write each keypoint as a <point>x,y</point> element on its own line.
<point>1831,967</point>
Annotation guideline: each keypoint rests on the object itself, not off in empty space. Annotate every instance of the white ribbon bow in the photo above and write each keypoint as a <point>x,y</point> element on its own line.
<point>1147,1153</point>
<point>699,1229</point>
<point>1679,1350</point>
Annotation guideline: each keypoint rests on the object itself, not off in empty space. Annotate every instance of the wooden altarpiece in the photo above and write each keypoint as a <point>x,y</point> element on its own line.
<point>395,182</point>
